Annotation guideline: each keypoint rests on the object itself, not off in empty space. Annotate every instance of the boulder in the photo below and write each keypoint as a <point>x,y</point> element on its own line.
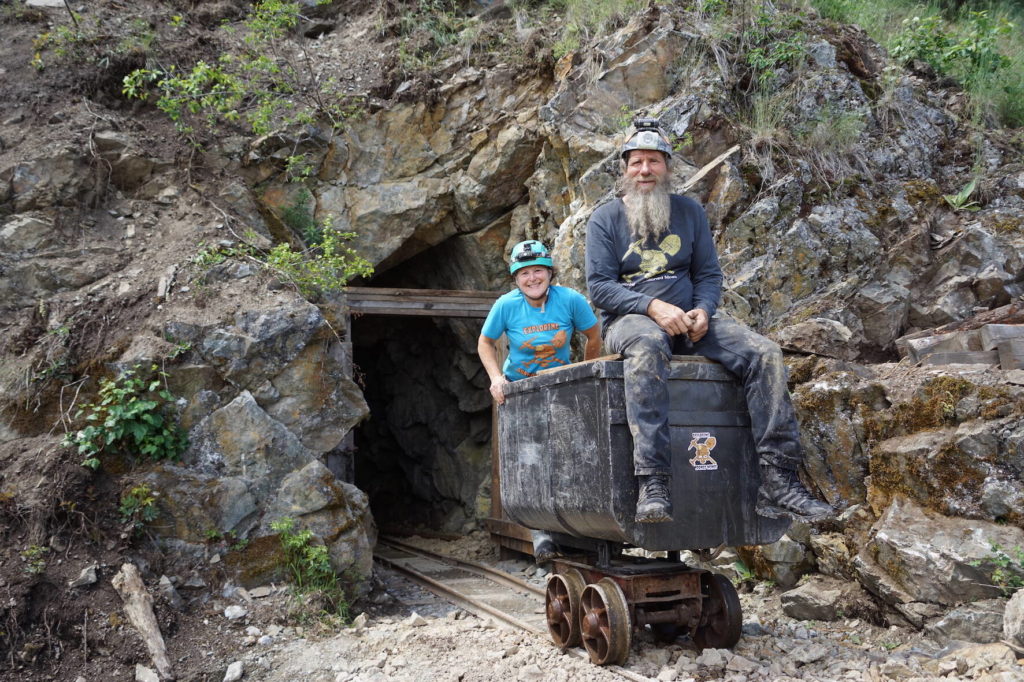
<point>495,180</point>
<point>820,336</point>
<point>242,440</point>
<point>783,561</point>
<point>819,598</point>
<point>396,220</point>
<point>963,471</point>
<point>917,555</point>
<point>261,342</point>
<point>1013,619</point>
<point>831,411</point>
<point>193,505</point>
<point>62,180</point>
<point>832,554</point>
<point>336,512</point>
<point>315,396</point>
<point>980,622</point>
<point>26,232</point>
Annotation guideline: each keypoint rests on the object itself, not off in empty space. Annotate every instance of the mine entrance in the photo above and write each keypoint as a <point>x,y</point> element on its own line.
<point>424,456</point>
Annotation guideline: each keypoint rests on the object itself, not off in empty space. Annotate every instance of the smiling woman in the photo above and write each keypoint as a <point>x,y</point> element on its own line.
<point>538,319</point>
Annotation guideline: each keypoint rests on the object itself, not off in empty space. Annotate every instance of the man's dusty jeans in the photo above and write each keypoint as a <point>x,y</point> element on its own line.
<point>756,360</point>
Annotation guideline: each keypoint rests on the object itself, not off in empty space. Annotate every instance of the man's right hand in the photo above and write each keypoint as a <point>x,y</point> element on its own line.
<point>672,319</point>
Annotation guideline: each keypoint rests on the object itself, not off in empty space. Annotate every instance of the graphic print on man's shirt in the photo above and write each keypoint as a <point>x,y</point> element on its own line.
<point>543,353</point>
<point>653,262</point>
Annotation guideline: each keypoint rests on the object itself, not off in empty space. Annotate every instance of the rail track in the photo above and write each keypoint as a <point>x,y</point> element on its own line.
<point>481,590</point>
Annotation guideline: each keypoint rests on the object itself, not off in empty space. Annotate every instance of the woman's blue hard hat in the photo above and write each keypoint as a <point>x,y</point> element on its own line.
<point>529,252</point>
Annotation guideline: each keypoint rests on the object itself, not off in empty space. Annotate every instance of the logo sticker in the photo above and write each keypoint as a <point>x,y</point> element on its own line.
<point>703,444</point>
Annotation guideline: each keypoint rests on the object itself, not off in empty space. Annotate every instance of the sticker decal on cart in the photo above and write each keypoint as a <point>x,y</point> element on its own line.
<point>703,444</point>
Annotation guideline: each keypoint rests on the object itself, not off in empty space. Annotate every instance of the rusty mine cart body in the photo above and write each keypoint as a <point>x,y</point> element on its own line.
<point>566,466</point>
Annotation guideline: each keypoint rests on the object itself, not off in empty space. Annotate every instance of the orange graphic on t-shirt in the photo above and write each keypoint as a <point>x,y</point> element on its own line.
<point>544,353</point>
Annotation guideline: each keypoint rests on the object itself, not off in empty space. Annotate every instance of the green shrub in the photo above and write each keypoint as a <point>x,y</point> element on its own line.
<point>35,559</point>
<point>138,507</point>
<point>586,19</point>
<point>1007,568</point>
<point>322,269</point>
<point>775,40</point>
<point>299,218</point>
<point>96,41</point>
<point>967,51</point>
<point>976,43</point>
<point>134,415</point>
<point>262,84</point>
<point>309,565</point>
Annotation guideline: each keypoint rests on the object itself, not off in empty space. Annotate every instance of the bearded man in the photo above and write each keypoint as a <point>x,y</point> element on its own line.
<point>653,271</point>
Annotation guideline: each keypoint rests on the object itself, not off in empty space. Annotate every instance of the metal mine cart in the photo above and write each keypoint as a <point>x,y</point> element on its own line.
<point>566,466</point>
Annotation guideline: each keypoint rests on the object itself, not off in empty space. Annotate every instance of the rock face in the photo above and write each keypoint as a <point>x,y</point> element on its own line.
<point>834,248</point>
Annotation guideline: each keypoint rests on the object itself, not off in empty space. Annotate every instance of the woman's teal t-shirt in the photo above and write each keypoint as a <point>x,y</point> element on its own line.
<point>538,338</point>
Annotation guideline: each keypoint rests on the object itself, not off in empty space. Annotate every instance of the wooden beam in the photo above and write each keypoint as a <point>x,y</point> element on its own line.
<point>420,302</point>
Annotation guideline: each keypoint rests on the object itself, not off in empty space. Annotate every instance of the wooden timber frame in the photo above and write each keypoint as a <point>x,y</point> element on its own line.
<point>508,536</point>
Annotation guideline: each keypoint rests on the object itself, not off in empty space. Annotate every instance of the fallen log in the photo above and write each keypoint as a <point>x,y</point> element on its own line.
<point>138,604</point>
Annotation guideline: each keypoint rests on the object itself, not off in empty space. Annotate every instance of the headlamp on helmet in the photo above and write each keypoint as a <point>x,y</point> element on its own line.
<point>647,135</point>
<point>530,252</point>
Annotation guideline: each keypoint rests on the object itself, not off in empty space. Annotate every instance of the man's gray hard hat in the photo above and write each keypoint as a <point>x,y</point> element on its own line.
<point>647,139</point>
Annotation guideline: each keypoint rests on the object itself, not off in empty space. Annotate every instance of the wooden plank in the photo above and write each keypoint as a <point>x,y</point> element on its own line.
<point>420,302</point>
<point>437,300</point>
<point>357,292</point>
<point>1011,354</point>
<point>994,334</point>
<point>709,167</point>
<point>385,308</point>
<point>549,370</point>
<point>967,357</point>
<point>918,349</point>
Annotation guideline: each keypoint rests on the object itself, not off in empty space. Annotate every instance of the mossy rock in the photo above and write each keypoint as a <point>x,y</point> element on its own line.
<point>262,561</point>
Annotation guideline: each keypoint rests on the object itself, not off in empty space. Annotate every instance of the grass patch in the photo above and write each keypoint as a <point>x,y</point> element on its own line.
<point>309,567</point>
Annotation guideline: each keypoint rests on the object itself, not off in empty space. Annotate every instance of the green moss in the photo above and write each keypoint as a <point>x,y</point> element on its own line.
<point>922,192</point>
<point>998,401</point>
<point>820,406</point>
<point>929,481</point>
<point>802,370</point>
<point>933,408</point>
<point>1007,225</point>
<point>259,563</point>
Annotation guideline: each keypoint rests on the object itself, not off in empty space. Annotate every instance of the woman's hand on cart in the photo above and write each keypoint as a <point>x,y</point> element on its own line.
<point>498,388</point>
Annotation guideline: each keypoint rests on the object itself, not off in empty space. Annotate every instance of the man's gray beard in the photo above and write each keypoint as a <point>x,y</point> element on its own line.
<point>647,213</point>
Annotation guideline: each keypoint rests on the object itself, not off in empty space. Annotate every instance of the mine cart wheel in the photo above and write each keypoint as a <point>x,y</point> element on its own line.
<point>562,606</point>
<point>605,623</point>
<point>721,620</point>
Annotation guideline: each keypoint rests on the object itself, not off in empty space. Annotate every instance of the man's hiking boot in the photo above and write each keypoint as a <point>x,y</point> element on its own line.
<point>654,504</point>
<point>783,495</point>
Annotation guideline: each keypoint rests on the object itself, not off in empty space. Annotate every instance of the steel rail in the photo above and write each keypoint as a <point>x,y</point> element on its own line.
<point>476,606</point>
<point>482,570</point>
<point>473,605</point>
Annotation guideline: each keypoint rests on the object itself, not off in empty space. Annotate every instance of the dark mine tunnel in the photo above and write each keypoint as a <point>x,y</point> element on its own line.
<point>424,454</point>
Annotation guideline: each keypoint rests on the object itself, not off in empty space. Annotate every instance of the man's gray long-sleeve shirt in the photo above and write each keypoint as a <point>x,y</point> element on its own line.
<point>680,268</point>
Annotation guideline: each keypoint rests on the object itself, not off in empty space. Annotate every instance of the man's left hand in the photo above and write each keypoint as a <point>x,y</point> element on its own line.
<point>698,324</point>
